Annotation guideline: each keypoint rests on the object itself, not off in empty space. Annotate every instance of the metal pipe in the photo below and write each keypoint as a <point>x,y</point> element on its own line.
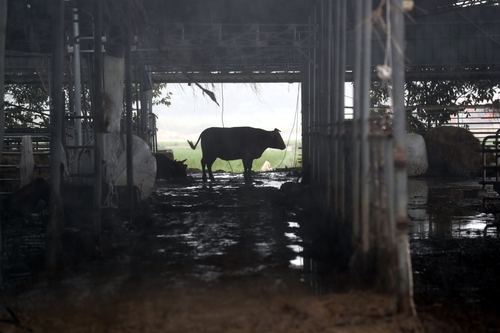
<point>305,113</point>
<point>334,110</point>
<point>146,102</point>
<point>98,113</point>
<point>128,103</point>
<point>320,86</point>
<point>3,27</point>
<point>77,78</point>
<point>364,118</point>
<point>355,180</point>
<point>328,110</point>
<point>307,154</point>
<point>326,104</point>
<point>341,111</point>
<point>405,285</point>
<point>315,99</point>
<point>390,181</point>
<point>54,225</point>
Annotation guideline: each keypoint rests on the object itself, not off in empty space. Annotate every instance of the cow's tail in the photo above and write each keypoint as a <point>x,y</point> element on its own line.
<point>193,146</point>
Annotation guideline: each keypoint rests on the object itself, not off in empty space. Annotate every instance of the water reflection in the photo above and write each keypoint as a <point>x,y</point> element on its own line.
<point>298,261</point>
<point>440,208</point>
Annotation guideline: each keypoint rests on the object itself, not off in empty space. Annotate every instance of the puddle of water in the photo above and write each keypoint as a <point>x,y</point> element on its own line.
<point>298,261</point>
<point>230,229</point>
<point>439,209</point>
<point>264,248</point>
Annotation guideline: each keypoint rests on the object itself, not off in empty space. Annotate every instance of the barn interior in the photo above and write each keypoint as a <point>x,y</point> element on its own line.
<point>145,254</point>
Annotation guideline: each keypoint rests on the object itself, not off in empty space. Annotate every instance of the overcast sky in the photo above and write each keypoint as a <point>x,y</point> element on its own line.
<point>264,105</point>
<point>267,106</point>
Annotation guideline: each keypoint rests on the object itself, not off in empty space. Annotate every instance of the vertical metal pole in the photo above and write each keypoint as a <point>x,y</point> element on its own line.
<point>155,136</point>
<point>128,102</point>
<point>355,179</point>
<point>98,114</point>
<point>328,110</point>
<point>77,79</point>
<point>146,102</point>
<point>341,110</point>
<point>405,285</point>
<point>315,101</point>
<point>334,110</point>
<point>304,85</point>
<point>364,118</point>
<point>389,174</point>
<point>308,154</point>
<point>53,228</point>
<point>3,27</point>
<point>320,110</point>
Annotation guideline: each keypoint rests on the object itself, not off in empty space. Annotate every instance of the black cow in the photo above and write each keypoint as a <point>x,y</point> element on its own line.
<point>245,143</point>
<point>169,169</point>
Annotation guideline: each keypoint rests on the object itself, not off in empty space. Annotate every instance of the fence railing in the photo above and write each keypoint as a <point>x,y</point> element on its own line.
<point>10,169</point>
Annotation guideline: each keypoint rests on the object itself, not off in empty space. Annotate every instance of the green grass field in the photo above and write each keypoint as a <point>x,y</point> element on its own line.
<point>277,158</point>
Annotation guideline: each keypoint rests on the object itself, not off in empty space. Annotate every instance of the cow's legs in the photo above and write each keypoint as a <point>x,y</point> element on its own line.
<point>203,164</point>
<point>208,162</point>
<point>209,167</point>
<point>247,169</point>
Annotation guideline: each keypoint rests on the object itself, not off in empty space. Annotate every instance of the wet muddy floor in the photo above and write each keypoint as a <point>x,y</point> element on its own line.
<point>232,257</point>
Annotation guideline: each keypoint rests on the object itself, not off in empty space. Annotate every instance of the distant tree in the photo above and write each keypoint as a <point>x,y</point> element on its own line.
<point>447,95</point>
<point>27,105</point>
<point>158,97</point>
<point>158,94</point>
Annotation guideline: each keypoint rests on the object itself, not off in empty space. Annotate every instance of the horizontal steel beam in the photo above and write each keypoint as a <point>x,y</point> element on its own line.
<point>278,76</point>
<point>227,77</point>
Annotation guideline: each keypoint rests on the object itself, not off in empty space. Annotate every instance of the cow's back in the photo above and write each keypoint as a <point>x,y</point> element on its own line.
<point>229,143</point>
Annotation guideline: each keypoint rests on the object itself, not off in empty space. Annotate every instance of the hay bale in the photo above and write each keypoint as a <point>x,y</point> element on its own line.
<point>416,154</point>
<point>453,152</point>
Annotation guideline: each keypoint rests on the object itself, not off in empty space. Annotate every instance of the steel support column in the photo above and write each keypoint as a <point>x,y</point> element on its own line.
<point>52,233</point>
<point>98,113</point>
<point>315,137</point>
<point>364,123</point>
<point>146,103</point>
<point>334,110</point>
<point>361,152</point>
<point>340,194</point>
<point>77,79</point>
<point>3,26</point>
<point>355,152</point>
<point>128,102</point>
<point>305,113</point>
<point>405,287</point>
<point>320,92</point>
<point>328,110</point>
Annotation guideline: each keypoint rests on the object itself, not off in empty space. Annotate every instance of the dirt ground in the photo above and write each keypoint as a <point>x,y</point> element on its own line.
<point>231,257</point>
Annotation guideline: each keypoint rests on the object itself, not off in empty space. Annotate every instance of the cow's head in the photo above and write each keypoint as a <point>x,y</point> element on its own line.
<point>276,140</point>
